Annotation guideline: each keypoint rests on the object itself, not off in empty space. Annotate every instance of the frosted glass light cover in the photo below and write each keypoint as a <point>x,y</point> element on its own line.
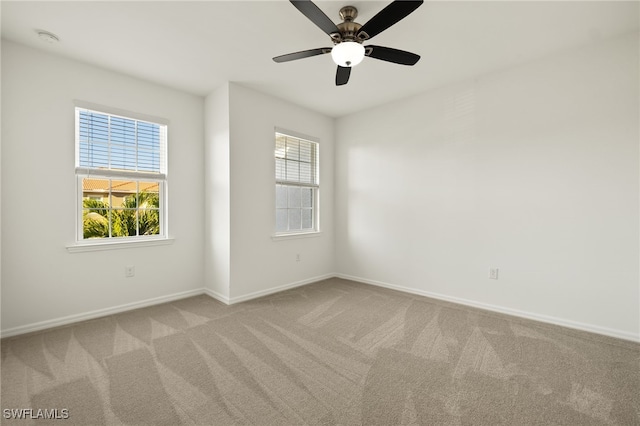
<point>347,53</point>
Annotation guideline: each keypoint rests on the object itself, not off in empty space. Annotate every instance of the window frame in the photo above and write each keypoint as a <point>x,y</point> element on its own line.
<point>83,172</point>
<point>315,187</point>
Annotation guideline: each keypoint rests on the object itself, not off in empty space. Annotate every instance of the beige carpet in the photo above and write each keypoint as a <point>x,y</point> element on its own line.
<point>334,352</point>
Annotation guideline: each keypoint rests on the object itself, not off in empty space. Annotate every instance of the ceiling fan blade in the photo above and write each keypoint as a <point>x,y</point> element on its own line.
<point>303,54</point>
<point>392,55</point>
<point>394,12</point>
<point>315,15</point>
<point>342,75</point>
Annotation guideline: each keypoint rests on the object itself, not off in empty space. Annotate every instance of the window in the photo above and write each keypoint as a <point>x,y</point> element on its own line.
<point>121,177</point>
<point>296,185</point>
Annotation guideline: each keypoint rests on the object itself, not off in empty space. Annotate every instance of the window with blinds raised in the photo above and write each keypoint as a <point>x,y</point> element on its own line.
<point>121,177</point>
<point>296,185</point>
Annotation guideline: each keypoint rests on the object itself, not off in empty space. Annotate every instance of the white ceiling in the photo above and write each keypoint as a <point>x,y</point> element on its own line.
<point>196,46</point>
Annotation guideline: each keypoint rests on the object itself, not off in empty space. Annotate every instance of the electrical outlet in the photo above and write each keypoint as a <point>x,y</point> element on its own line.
<point>493,273</point>
<point>298,258</point>
<point>129,271</point>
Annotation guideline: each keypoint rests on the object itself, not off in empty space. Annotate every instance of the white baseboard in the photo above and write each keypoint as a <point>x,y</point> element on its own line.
<point>237,299</point>
<point>514,312</point>
<point>261,293</point>
<point>57,322</point>
<point>219,297</point>
<point>42,325</point>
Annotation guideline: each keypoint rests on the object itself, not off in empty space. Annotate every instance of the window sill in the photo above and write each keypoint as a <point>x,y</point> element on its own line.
<point>117,245</point>
<point>293,236</point>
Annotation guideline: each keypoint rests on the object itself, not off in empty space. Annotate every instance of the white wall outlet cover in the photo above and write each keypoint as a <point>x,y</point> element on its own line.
<point>129,271</point>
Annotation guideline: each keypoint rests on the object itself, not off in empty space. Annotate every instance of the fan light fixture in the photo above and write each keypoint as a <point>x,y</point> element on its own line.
<point>347,53</point>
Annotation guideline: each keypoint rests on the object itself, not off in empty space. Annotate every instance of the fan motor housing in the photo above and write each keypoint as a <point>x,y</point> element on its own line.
<point>348,31</point>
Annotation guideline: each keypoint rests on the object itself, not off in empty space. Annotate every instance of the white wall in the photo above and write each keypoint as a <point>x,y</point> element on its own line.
<point>258,263</point>
<point>533,170</point>
<point>41,280</point>
<point>217,187</point>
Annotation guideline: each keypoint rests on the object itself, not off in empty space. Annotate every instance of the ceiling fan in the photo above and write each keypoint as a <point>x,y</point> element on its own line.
<point>348,36</point>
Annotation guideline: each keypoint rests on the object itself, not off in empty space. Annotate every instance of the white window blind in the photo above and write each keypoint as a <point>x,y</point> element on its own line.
<point>109,143</point>
<point>296,161</point>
